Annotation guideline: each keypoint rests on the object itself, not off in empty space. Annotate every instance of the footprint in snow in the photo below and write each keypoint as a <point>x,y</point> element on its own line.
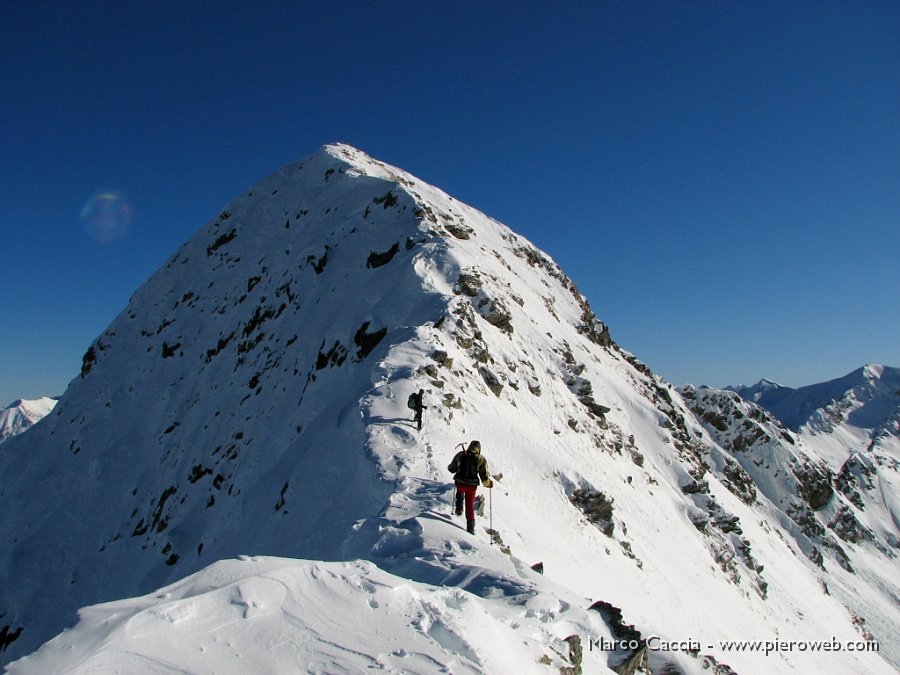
<point>405,437</point>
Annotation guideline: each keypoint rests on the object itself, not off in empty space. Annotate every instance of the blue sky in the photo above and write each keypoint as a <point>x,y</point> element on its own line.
<point>721,180</point>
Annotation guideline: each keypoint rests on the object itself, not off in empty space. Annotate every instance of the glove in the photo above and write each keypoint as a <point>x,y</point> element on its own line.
<point>488,483</point>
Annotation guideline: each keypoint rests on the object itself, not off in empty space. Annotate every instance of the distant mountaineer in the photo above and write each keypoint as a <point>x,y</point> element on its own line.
<point>417,403</point>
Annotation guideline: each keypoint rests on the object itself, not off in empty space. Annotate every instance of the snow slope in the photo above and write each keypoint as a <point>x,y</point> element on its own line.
<point>283,615</point>
<point>21,415</point>
<point>251,400</point>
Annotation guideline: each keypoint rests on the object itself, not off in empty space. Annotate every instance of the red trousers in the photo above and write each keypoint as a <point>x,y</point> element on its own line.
<point>468,493</point>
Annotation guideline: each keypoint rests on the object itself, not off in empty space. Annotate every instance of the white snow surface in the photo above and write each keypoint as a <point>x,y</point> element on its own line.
<point>21,415</point>
<point>251,401</point>
<point>283,615</point>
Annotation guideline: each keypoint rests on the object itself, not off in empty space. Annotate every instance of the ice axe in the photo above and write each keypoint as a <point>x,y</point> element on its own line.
<point>491,512</point>
<point>494,477</point>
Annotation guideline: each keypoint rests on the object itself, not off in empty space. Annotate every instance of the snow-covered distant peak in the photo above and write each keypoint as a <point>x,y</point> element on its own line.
<point>756,391</point>
<point>37,407</point>
<point>874,387</point>
<point>22,414</point>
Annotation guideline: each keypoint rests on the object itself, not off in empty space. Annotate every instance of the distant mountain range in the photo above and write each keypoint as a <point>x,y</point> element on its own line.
<point>867,398</point>
<point>236,477</point>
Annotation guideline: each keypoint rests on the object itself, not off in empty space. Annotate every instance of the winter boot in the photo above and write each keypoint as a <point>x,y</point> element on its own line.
<point>470,526</point>
<point>459,503</point>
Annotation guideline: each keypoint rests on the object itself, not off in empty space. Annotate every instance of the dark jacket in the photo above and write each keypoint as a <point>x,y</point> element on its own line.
<point>461,460</point>
<point>419,401</point>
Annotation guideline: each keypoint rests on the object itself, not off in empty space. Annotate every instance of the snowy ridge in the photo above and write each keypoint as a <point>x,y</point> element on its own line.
<point>21,415</point>
<point>268,366</point>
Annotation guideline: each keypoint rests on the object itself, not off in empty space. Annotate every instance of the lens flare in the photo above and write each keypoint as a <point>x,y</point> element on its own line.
<point>106,216</point>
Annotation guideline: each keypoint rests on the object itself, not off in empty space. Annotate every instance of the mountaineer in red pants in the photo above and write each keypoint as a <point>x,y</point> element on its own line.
<point>468,466</point>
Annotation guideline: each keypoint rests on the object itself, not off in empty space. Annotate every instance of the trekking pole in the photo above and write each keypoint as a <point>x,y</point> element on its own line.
<point>491,512</point>
<point>455,490</point>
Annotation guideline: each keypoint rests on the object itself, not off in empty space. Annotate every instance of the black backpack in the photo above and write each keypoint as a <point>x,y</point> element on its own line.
<point>468,466</point>
<point>412,401</point>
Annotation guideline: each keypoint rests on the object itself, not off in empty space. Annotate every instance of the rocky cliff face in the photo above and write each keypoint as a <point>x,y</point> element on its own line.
<point>251,399</point>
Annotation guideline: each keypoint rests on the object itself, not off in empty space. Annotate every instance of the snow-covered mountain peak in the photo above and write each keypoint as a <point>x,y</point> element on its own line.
<point>873,387</point>
<point>22,414</point>
<point>756,391</point>
<point>873,372</point>
<point>358,161</point>
<point>251,399</point>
